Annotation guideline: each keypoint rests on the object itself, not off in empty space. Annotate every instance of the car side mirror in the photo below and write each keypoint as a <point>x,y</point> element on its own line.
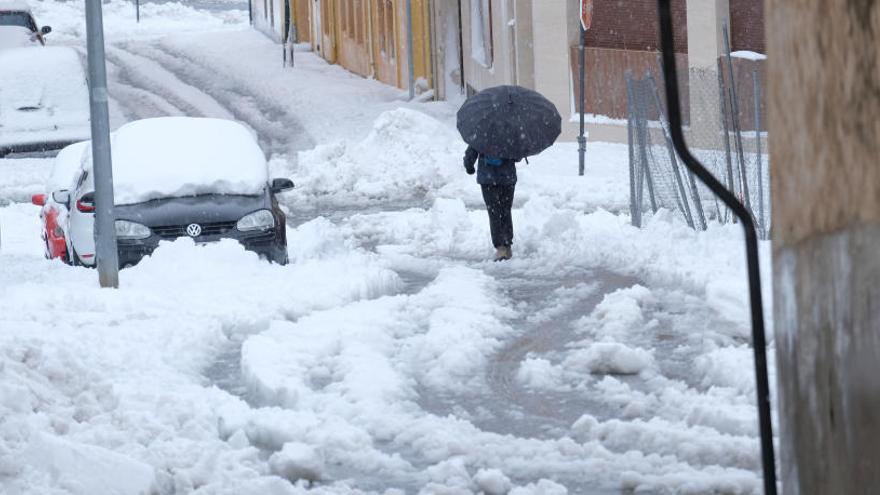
<point>38,199</point>
<point>61,197</point>
<point>46,30</point>
<point>279,185</point>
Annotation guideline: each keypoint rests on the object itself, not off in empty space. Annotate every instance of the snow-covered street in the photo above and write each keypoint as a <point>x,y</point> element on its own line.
<point>391,355</point>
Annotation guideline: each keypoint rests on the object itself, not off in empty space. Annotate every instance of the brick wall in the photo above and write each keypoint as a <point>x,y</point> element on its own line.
<point>747,25</point>
<point>605,84</point>
<point>633,25</point>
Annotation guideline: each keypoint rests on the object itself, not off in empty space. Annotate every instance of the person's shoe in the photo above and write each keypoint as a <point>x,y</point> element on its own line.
<point>503,253</point>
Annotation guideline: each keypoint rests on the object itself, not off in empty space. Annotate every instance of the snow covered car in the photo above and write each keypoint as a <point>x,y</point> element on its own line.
<point>53,213</point>
<point>44,99</point>
<point>18,27</point>
<point>174,177</point>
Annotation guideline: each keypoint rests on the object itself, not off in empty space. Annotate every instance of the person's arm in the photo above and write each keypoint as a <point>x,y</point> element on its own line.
<point>470,158</point>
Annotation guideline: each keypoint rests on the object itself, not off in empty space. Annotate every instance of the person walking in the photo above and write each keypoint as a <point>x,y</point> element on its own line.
<point>497,178</point>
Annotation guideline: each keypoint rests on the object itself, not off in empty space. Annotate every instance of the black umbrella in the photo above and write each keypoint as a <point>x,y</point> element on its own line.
<point>509,122</point>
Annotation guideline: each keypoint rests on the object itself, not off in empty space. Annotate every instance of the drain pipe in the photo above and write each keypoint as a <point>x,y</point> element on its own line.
<point>751,238</point>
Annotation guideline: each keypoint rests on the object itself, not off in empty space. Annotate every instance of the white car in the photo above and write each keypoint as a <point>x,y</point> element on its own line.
<point>174,177</point>
<point>44,99</point>
<point>18,27</point>
<point>54,201</point>
<point>80,225</point>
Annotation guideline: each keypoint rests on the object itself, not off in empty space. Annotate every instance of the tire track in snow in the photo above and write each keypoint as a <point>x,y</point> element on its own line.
<point>164,93</point>
<point>280,132</point>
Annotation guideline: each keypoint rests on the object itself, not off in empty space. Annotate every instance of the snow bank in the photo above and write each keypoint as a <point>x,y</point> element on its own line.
<point>183,156</point>
<point>23,177</point>
<point>406,155</point>
<point>115,381</point>
<point>409,156</point>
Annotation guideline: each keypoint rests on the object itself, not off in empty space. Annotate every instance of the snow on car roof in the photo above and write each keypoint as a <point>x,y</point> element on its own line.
<point>15,6</point>
<point>67,163</point>
<point>184,156</point>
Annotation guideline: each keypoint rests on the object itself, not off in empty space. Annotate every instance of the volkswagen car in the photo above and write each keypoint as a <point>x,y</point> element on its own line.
<point>173,177</point>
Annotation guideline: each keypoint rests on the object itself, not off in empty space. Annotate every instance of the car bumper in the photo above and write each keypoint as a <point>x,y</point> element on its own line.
<point>269,245</point>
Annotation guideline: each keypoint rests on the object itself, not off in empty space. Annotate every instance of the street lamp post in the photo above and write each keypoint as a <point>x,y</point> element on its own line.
<point>105,231</point>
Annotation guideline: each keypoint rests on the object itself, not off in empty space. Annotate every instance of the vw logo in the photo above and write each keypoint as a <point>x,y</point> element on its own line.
<point>194,230</point>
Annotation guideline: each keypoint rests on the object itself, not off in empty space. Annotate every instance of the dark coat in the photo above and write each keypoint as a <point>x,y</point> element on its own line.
<point>490,171</point>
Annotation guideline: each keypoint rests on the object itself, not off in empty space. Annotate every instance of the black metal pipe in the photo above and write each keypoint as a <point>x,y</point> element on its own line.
<point>751,238</point>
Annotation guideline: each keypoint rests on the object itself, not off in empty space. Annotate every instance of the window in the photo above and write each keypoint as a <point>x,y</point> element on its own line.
<point>22,19</point>
<point>482,47</point>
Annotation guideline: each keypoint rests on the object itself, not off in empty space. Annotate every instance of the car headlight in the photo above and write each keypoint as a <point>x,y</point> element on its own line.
<point>258,220</point>
<point>131,230</point>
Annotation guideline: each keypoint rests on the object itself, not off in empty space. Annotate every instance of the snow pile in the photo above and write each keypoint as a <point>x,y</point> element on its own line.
<point>114,381</point>
<point>43,96</point>
<point>23,177</point>
<point>183,156</point>
<point>406,155</point>
<point>610,357</point>
<point>296,461</point>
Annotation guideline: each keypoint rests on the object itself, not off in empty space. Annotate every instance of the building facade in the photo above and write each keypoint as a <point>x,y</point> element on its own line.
<point>370,37</point>
<point>463,46</point>
<point>534,43</point>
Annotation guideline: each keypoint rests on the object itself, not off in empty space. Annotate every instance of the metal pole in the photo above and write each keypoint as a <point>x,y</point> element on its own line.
<point>726,132</point>
<point>138,10</point>
<point>664,127</point>
<point>409,50</point>
<point>250,12</point>
<point>734,114</point>
<point>582,140</point>
<point>634,207</point>
<point>762,222</point>
<point>105,230</point>
<point>759,342</point>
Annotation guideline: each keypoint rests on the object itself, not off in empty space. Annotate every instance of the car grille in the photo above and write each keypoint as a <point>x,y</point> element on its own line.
<point>208,229</point>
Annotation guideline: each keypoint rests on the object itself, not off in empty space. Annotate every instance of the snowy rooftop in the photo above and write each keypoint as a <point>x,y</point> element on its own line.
<point>184,156</point>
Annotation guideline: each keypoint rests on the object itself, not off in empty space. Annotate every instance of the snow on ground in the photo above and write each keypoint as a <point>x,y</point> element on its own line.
<point>389,356</point>
<point>157,18</point>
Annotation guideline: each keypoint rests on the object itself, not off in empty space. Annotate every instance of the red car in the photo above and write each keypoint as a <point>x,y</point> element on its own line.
<point>54,200</point>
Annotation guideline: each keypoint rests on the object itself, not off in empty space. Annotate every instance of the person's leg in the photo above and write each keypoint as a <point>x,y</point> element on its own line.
<point>491,196</point>
<point>506,219</point>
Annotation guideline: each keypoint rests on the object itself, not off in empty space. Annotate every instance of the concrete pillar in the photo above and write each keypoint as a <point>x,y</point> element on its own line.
<point>705,45</point>
<point>550,40</point>
<point>824,103</point>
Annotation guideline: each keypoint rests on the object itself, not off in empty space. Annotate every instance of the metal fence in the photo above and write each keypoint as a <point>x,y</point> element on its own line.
<point>737,157</point>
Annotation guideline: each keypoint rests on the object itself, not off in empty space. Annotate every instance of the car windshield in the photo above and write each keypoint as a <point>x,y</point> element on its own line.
<point>17,19</point>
